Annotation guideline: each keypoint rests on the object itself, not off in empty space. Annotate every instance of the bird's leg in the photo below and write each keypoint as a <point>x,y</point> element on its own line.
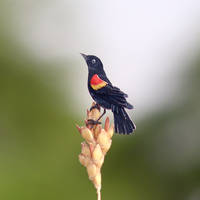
<point>93,122</point>
<point>104,112</point>
<point>97,106</point>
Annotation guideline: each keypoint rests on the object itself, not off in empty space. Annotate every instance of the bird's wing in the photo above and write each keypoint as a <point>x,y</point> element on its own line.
<point>107,87</point>
<point>114,95</point>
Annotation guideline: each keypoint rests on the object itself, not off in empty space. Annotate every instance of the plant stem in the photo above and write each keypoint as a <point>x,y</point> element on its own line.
<point>99,193</point>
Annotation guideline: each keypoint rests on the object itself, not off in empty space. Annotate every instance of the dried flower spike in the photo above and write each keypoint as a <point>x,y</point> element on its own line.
<point>97,143</point>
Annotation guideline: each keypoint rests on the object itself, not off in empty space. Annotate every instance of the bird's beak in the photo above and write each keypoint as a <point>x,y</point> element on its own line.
<point>84,56</point>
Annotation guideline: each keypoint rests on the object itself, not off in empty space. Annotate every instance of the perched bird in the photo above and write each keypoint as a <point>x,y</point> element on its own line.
<point>108,96</point>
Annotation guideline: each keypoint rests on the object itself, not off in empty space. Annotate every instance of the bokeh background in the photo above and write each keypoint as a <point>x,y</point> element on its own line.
<point>150,49</point>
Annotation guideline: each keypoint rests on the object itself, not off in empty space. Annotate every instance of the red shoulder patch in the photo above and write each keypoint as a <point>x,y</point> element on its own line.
<point>95,80</point>
<point>97,83</point>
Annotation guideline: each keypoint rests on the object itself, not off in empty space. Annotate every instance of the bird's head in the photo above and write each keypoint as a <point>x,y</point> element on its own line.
<point>93,62</point>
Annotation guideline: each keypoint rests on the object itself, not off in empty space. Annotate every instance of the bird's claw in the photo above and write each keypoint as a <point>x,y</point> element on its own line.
<point>92,122</point>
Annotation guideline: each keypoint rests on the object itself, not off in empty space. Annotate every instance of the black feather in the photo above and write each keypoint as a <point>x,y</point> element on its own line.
<point>123,124</point>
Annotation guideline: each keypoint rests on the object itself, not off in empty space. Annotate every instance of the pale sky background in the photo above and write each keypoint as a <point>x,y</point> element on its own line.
<point>146,43</point>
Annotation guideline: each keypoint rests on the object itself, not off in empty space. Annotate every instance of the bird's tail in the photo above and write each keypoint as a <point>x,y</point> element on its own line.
<point>123,124</point>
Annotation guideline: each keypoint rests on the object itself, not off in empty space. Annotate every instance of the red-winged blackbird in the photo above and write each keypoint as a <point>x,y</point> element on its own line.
<point>108,96</point>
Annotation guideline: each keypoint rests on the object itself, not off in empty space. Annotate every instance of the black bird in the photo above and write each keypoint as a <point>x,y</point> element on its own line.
<point>108,96</point>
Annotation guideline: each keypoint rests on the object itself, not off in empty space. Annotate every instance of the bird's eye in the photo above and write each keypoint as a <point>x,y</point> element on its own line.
<point>93,61</point>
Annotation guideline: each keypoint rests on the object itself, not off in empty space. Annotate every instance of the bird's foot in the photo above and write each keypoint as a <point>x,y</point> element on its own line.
<point>93,122</point>
<point>96,106</point>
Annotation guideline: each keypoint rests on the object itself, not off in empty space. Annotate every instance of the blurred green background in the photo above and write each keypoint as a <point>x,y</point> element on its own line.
<point>39,144</point>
